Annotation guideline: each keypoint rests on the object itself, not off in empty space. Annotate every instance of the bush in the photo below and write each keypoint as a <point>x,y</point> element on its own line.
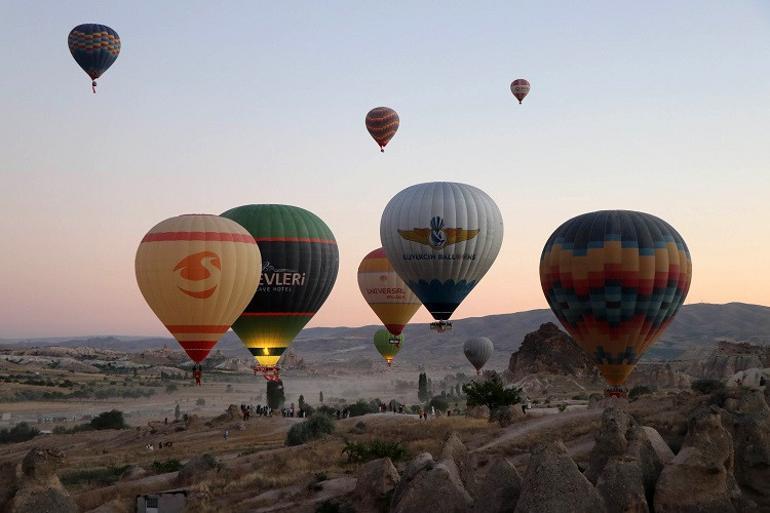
<point>491,393</point>
<point>312,429</point>
<point>100,476</point>
<point>200,402</point>
<point>361,407</point>
<point>21,432</point>
<point>361,452</point>
<point>171,388</point>
<point>332,506</point>
<point>112,419</point>
<point>707,386</point>
<point>275,395</point>
<point>440,403</point>
<point>639,390</point>
<point>164,467</point>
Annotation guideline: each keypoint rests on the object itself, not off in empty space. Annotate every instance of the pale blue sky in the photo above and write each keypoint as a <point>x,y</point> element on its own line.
<point>656,106</point>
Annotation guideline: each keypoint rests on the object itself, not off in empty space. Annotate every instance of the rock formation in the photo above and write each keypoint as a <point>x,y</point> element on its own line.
<point>37,487</point>
<point>550,351</point>
<point>554,484</point>
<point>498,489</point>
<point>376,480</point>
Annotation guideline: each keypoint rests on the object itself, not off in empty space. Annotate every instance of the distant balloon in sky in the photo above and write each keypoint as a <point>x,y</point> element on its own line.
<point>478,350</point>
<point>382,123</point>
<point>299,267</point>
<point>520,89</point>
<point>94,47</point>
<point>441,239</point>
<point>383,342</point>
<point>197,273</point>
<point>615,279</point>
<point>387,294</point>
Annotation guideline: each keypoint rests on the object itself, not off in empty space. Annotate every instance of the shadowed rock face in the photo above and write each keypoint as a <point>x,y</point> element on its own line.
<point>38,489</point>
<point>554,484</point>
<point>700,478</point>
<point>498,489</point>
<point>550,351</point>
<point>376,480</point>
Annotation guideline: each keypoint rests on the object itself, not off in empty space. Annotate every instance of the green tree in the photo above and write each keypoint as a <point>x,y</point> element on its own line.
<point>275,395</point>
<point>177,412</point>
<point>422,388</point>
<point>491,393</point>
<point>112,419</point>
<point>321,397</point>
<point>301,402</point>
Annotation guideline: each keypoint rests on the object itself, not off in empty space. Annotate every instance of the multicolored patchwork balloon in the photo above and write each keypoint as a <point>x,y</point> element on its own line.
<point>441,239</point>
<point>197,273</point>
<point>95,48</point>
<point>520,89</point>
<point>385,292</point>
<point>382,123</point>
<point>385,345</point>
<point>615,279</point>
<point>299,267</point>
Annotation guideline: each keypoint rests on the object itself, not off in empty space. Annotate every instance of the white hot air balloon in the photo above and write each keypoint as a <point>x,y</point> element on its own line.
<point>478,350</point>
<point>441,239</point>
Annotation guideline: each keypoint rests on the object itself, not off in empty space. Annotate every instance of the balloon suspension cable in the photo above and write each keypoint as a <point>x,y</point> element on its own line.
<point>520,102</point>
<point>93,86</point>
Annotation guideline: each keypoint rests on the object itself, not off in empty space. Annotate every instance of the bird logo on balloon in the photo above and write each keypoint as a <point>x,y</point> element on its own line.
<point>437,236</point>
<point>198,267</point>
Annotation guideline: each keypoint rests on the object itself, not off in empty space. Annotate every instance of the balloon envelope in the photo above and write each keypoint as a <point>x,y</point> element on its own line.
<point>382,124</point>
<point>615,279</point>
<point>299,268</point>
<point>385,292</point>
<point>441,239</point>
<point>94,47</point>
<point>520,89</point>
<point>478,350</point>
<point>197,273</point>
<point>384,345</point>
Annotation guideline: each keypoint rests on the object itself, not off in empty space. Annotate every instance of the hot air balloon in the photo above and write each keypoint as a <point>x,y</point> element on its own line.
<point>441,239</point>
<point>94,47</point>
<point>299,267</point>
<point>615,279</point>
<point>387,294</point>
<point>384,345</point>
<point>520,89</point>
<point>478,350</point>
<point>382,123</point>
<point>197,273</point>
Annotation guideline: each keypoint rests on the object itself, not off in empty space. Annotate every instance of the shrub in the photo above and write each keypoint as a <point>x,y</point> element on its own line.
<point>562,407</point>
<point>164,467</point>
<point>491,393</point>
<point>101,476</point>
<point>638,391</point>
<point>361,407</point>
<point>439,402</point>
<point>112,419</point>
<point>171,388</point>
<point>21,432</point>
<point>332,506</point>
<point>361,452</point>
<point>275,395</point>
<point>312,429</point>
<point>707,386</point>
<point>200,402</point>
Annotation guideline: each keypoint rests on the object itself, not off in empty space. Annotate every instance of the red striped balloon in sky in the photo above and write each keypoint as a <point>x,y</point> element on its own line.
<point>382,123</point>
<point>520,88</point>
<point>198,273</point>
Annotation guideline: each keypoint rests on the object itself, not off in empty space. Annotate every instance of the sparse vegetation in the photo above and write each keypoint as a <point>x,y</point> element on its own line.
<point>491,393</point>
<point>200,402</point>
<point>440,403</point>
<point>97,476</point>
<point>21,432</point>
<point>275,395</point>
<point>361,452</point>
<point>707,386</point>
<point>422,388</point>
<point>164,467</point>
<point>112,419</point>
<point>312,429</point>
<point>171,388</point>
<point>638,391</point>
<point>362,407</point>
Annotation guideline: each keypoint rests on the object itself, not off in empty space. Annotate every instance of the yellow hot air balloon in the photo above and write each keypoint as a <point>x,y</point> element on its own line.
<point>198,272</point>
<point>387,294</point>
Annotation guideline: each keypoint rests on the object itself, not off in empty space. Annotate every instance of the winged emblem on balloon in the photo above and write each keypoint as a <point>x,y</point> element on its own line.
<point>437,236</point>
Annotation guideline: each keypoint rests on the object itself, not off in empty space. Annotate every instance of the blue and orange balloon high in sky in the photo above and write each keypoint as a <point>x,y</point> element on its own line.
<point>615,279</point>
<point>95,48</point>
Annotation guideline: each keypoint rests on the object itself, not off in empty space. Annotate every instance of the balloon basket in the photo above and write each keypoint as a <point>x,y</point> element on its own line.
<point>441,326</point>
<point>395,341</point>
<point>269,373</point>
<point>617,392</point>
